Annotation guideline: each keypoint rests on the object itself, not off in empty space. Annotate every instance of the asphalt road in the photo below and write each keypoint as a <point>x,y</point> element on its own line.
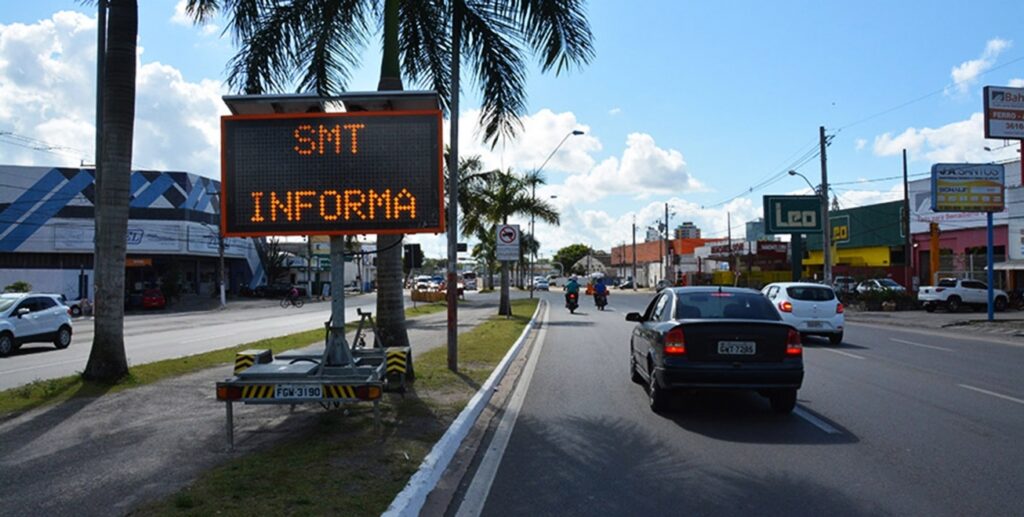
<point>152,337</point>
<point>891,422</point>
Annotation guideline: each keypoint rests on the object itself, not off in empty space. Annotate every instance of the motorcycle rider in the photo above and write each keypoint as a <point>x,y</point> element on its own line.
<point>600,290</point>
<point>572,287</point>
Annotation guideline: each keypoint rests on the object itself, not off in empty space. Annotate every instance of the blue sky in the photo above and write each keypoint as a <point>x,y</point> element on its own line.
<point>688,103</point>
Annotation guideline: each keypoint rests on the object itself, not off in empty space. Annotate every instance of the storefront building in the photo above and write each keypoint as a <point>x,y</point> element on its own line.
<point>867,242</point>
<point>47,233</point>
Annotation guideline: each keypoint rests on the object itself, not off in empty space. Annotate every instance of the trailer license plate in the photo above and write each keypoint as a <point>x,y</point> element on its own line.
<point>737,347</point>
<point>298,391</point>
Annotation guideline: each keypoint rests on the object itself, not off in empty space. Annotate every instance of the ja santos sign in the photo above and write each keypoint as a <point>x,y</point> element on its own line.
<point>792,214</point>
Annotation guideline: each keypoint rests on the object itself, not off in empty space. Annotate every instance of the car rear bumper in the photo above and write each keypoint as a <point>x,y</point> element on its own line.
<point>728,376</point>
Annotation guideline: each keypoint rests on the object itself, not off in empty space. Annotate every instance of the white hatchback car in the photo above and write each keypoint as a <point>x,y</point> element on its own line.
<point>33,317</point>
<point>812,308</point>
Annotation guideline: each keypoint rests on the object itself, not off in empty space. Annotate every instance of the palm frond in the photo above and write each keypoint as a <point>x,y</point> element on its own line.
<point>556,29</point>
<point>264,62</point>
<point>425,46</point>
<point>498,67</point>
<point>334,33</point>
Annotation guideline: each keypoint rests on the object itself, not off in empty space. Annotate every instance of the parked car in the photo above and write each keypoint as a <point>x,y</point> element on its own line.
<point>75,306</point>
<point>954,293</point>
<point>814,309</point>
<point>628,284</point>
<point>715,338</point>
<point>880,284</point>
<point>153,299</point>
<point>661,285</point>
<point>844,284</point>
<point>33,317</point>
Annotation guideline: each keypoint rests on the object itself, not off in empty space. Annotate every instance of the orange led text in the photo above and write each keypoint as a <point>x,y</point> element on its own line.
<point>332,205</point>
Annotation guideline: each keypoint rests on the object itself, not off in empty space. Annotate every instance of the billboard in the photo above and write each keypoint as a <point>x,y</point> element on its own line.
<point>332,173</point>
<point>792,214</point>
<point>968,187</point>
<point>1004,112</point>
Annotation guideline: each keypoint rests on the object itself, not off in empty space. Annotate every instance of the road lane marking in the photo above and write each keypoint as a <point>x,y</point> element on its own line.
<point>992,393</point>
<point>476,495</point>
<point>41,366</point>
<point>815,421</point>
<point>922,345</point>
<point>840,352</point>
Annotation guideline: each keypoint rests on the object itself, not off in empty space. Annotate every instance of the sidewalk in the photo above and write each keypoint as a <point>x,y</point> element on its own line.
<point>1008,323</point>
<point>108,455</point>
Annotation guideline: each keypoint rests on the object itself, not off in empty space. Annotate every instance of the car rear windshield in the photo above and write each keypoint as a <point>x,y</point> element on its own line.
<point>947,282</point>
<point>811,294</point>
<point>721,305</point>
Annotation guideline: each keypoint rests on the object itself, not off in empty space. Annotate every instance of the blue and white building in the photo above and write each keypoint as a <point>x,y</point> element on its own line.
<point>47,232</point>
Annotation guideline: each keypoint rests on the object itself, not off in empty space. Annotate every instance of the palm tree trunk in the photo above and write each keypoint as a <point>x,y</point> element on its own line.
<point>107,361</point>
<point>390,300</point>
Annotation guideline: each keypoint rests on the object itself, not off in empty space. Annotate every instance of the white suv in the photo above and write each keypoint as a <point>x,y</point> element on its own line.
<point>812,308</point>
<point>32,317</point>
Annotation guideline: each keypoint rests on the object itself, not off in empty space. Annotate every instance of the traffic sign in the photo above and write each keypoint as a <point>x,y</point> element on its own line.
<point>792,214</point>
<point>507,240</point>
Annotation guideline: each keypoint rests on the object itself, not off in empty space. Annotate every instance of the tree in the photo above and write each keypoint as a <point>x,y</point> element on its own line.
<point>107,360</point>
<point>315,45</point>
<point>275,261</point>
<point>492,201</point>
<point>570,255</point>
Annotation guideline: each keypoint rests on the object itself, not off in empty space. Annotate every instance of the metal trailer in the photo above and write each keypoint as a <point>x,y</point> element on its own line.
<point>338,375</point>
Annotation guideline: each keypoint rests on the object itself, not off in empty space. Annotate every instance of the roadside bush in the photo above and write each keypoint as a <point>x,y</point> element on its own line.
<point>18,287</point>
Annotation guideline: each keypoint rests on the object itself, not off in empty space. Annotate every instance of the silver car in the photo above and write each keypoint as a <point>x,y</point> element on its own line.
<point>813,309</point>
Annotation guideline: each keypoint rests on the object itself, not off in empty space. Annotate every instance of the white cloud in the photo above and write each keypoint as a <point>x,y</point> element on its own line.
<point>961,141</point>
<point>1016,83</point>
<point>860,143</point>
<point>643,169</point>
<point>47,92</point>
<point>852,197</point>
<point>966,74</point>
<point>614,111</point>
<point>181,17</point>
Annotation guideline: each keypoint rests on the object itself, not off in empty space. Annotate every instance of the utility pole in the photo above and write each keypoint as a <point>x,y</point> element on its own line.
<point>533,196</point>
<point>826,225</point>
<point>664,270</point>
<point>309,268</point>
<point>728,238</point>
<point>453,198</point>
<point>221,272</point>
<point>908,246</point>
<point>634,252</point>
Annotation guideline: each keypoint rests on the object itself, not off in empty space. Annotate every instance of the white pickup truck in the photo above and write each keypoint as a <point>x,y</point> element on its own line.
<point>954,293</point>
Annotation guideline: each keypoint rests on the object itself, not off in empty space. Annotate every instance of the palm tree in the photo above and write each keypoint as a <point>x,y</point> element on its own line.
<point>501,195</point>
<point>107,360</point>
<point>315,45</point>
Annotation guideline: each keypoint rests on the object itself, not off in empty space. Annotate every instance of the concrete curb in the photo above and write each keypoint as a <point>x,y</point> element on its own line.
<point>410,500</point>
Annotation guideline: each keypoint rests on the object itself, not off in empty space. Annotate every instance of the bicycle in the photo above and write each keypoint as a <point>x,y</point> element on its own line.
<point>289,301</point>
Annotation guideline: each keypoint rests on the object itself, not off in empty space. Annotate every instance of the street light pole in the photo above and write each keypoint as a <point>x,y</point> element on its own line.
<point>826,228</point>
<point>533,197</point>
<point>220,253</point>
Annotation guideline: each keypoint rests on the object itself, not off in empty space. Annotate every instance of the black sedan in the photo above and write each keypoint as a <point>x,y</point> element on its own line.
<point>715,338</point>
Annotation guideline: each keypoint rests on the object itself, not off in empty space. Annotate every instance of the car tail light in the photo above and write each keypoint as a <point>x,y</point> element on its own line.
<point>793,346</point>
<point>675,342</point>
<point>839,308</point>
<point>785,306</point>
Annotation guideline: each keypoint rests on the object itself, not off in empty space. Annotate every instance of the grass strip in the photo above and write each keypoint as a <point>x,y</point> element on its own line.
<point>341,465</point>
<point>50,391</point>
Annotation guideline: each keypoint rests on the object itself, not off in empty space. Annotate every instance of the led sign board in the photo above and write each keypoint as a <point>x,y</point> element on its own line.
<point>792,214</point>
<point>332,173</point>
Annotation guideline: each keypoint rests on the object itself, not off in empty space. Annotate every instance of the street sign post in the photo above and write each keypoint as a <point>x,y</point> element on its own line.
<point>972,187</point>
<point>507,240</point>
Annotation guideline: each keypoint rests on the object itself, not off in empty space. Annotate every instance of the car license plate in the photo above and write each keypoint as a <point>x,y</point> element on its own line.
<point>814,324</point>
<point>298,391</point>
<point>737,347</point>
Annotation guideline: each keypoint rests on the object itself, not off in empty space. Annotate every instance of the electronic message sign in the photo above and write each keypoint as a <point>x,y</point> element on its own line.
<point>332,173</point>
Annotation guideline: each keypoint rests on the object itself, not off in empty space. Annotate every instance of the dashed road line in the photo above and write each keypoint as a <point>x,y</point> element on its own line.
<point>815,421</point>
<point>840,352</point>
<point>922,345</point>
<point>992,393</point>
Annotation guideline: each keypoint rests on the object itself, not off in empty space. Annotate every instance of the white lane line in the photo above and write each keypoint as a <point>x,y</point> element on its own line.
<point>840,352</point>
<point>815,421</point>
<point>992,393</point>
<point>473,503</point>
<point>922,345</point>
<point>41,366</point>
